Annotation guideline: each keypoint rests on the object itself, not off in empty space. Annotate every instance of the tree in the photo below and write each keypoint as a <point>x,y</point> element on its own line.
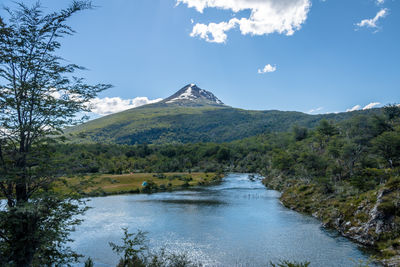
<point>299,133</point>
<point>134,252</point>
<point>392,111</point>
<point>388,146</point>
<point>133,249</point>
<point>223,154</point>
<point>326,128</point>
<point>39,96</point>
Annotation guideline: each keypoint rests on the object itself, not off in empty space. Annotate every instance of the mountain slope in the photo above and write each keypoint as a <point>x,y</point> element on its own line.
<point>188,116</point>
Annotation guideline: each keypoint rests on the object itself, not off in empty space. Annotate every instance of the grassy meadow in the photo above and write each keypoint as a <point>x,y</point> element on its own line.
<point>111,184</point>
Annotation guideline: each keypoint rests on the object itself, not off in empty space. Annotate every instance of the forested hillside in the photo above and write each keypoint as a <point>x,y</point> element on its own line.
<point>172,123</point>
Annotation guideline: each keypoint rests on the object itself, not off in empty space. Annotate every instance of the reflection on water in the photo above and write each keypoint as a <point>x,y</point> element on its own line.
<point>235,223</point>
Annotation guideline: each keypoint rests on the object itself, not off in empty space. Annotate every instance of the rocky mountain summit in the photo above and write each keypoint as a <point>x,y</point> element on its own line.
<point>192,95</point>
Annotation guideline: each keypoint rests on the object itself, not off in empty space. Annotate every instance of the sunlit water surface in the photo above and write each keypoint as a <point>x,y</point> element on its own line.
<point>236,223</point>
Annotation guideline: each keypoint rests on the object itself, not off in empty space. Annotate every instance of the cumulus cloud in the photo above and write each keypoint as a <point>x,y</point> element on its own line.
<point>213,32</point>
<point>380,2</point>
<point>371,23</point>
<point>268,68</point>
<point>371,105</point>
<point>109,105</point>
<point>266,17</point>
<point>356,107</point>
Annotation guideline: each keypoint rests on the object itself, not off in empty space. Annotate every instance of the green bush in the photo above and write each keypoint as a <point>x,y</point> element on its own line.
<point>388,208</point>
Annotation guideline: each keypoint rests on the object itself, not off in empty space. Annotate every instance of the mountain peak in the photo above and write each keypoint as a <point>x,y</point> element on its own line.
<point>191,94</point>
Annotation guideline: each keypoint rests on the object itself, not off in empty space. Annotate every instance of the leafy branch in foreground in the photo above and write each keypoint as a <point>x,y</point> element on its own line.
<point>132,250</point>
<point>135,252</point>
<point>39,96</point>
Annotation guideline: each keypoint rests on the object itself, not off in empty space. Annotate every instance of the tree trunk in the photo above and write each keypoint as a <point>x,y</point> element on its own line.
<point>24,240</point>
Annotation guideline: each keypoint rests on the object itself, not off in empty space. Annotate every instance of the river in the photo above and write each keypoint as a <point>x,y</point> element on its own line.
<point>235,223</point>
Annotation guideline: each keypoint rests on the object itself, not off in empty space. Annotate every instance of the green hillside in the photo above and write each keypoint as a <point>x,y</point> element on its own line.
<point>170,123</point>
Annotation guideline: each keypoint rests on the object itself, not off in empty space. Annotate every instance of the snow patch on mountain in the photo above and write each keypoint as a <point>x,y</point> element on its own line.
<point>188,94</point>
<point>194,94</point>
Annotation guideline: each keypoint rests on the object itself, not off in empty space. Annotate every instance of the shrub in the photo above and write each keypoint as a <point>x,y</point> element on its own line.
<point>388,208</point>
<point>134,252</point>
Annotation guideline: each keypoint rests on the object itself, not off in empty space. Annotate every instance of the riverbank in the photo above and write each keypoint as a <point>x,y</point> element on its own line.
<point>135,183</point>
<point>370,218</point>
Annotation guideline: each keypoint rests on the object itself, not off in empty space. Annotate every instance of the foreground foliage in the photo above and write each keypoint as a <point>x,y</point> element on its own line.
<point>134,252</point>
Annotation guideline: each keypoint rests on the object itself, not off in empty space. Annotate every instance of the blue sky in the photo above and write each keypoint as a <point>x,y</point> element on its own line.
<point>320,55</point>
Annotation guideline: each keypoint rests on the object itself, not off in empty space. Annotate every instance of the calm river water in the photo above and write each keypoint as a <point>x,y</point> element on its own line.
<point>236,223</point>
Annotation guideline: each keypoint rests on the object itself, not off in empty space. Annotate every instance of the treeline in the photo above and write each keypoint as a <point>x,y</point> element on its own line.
<point>247,156</point>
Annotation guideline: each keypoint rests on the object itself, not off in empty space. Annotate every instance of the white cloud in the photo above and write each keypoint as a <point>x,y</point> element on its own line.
<point>371,105</point>
<point>216,30</point>
<point>266,17</point>
<point>315,110</point>
<point>356,107</point>
<point>268,68</point>
<point>380,2</point>
<point>109,105</point>
<point>371,23</point>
